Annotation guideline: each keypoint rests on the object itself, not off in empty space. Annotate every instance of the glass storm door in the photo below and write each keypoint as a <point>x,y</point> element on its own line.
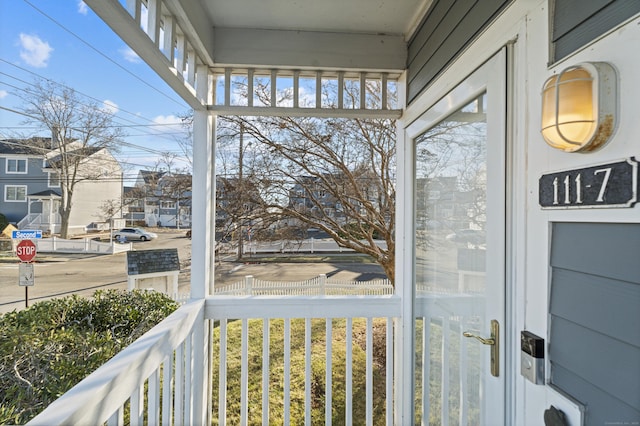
<point>459,249</point>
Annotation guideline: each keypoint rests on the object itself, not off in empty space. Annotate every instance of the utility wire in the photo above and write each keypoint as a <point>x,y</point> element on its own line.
<point>100,53</point>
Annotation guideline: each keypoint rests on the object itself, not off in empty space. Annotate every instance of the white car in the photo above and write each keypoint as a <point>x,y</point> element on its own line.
<point>128,234</point>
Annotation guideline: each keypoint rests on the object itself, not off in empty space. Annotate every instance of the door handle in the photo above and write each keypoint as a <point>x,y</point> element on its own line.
<point>494,342</point>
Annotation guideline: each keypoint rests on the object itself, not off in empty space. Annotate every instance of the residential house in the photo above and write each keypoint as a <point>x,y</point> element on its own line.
<point>31,188</point>
<point>538,100</point>
<point>159,199</point>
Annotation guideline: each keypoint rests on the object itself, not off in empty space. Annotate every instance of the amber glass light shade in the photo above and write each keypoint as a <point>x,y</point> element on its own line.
<point>569,109</point>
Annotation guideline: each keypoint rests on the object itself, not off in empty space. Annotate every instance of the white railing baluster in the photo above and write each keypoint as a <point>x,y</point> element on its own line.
<point>169,28</point>
<point>244,379</point>
<point>445,370</point>
<point>265,371</point>
<point>319,89</point>
<point>307,371</point>
<point>153,20</point>
<point>222,380</point>
<point>179,57</point>
<point>179,383</point>
<point>426,370</point>
<point>167,391</point>
<point>274,88</point>
<point>153,399</point>
<point>385,91</point>
<point>188,380</point>
<point>191,67</point>
<point>117,418</point>
<point>389,373</point>
<point>329,369</point>
<point>287,371</point>
<point>250,94</point>
<point>369,372</point>
<point>463,400</point>
<point>363,91</point>
<point>296,89</point>
<point>340,89</point>
<point>348,406</point>
<point>137,406</point>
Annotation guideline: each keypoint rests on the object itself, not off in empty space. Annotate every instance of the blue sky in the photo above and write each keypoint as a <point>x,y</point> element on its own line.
<point>64,41</point>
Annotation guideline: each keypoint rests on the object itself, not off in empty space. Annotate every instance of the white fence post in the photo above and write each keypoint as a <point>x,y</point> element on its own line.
<point>248,284</point>
<point>323,283</point>
<point>312,244</point>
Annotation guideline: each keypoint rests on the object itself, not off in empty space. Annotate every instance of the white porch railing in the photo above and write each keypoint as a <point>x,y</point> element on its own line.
<point>44,222</point>
<point>156,380</point>
<point>167,377</point>
<point>163,377</point>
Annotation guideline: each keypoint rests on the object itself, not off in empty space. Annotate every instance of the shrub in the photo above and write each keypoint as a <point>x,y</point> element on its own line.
<point>51,346</point>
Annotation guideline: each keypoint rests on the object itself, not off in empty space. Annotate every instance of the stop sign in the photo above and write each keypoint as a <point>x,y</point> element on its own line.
<point>26,250</point>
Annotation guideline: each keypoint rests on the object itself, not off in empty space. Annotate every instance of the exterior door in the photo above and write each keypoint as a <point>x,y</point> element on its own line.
<point>459,253</point>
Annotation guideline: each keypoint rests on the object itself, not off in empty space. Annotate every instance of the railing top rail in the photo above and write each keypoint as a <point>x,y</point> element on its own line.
<point>99,395</point>
<point>240,307</point>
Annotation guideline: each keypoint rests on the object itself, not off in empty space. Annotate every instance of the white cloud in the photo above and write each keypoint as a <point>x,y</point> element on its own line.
<point>129,55</point>
<point>168,123</point>
<point>34,51</point>
<point>83,9</point>
<point>110,107</point>
<point>3,94</point>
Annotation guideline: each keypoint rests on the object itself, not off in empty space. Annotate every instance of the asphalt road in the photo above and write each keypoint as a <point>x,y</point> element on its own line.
<point>62,275</point>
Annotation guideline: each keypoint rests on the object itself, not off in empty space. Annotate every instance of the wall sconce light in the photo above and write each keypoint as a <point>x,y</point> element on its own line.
<point>579,107</point>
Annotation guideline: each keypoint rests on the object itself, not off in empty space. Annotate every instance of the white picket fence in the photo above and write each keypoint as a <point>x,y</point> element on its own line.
<point>317,286</point>
<point>84,246</point>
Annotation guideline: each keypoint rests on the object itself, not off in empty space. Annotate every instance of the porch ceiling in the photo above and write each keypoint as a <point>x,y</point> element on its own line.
<point>304,34</point>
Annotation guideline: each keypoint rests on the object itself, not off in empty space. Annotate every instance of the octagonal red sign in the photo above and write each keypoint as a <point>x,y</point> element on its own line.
<point>26,250</point>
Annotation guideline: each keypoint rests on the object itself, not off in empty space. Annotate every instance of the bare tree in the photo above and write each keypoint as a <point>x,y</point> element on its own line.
<point>337,175</point>
<point>79,129</point>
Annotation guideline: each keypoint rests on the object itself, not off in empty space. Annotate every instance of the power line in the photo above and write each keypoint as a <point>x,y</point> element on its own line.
<point>153,125</point>
<point>100,53</point>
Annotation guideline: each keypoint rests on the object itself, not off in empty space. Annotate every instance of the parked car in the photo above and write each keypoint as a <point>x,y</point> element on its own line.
<point>134,234</point>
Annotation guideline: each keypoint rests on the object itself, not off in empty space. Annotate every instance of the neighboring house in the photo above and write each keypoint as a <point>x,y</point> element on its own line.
<point>31,194</point>
<point>308,193</point>
<point>159,199</point>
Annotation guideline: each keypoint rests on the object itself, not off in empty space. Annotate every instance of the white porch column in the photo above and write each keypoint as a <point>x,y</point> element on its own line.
<point>203,191</point>
<point>404,343</point>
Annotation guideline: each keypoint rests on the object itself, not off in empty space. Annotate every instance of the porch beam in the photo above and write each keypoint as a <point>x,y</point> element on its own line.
<point>304,112</point>
<point>308,49</point>
<point>128,29</point>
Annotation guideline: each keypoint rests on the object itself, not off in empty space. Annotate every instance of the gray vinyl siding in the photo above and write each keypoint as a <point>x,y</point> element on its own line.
<point>594,342</point>
<point>35,179</point>
<point>578,22</point>
<point>446,30</point>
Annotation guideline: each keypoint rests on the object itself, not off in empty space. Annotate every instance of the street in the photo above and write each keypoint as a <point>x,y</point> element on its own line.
<point>65,274</point>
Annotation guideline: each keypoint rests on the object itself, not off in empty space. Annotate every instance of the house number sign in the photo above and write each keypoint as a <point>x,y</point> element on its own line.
<point>606,185</point>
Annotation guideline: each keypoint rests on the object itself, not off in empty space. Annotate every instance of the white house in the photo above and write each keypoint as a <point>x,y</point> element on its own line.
<point>547,312</point>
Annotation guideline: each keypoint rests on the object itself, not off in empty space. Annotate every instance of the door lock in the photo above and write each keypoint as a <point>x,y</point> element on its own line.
<point>494,342</point>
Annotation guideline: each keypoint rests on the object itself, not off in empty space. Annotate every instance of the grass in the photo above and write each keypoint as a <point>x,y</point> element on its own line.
<point>297,371</point>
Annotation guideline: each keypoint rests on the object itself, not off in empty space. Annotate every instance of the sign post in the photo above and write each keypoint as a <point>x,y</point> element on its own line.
<point>26,252</point>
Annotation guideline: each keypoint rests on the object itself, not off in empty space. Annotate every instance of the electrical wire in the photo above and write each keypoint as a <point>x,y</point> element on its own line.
<point>100,53</point>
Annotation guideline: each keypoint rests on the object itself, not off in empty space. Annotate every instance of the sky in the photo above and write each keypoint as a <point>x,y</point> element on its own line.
<point>65,42</point>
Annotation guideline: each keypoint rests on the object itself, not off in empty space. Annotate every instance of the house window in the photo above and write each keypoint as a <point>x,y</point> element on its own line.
<point>167,204</point>
<point>54,180</point>
<point>15,193</point>
<point>16,165</point>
